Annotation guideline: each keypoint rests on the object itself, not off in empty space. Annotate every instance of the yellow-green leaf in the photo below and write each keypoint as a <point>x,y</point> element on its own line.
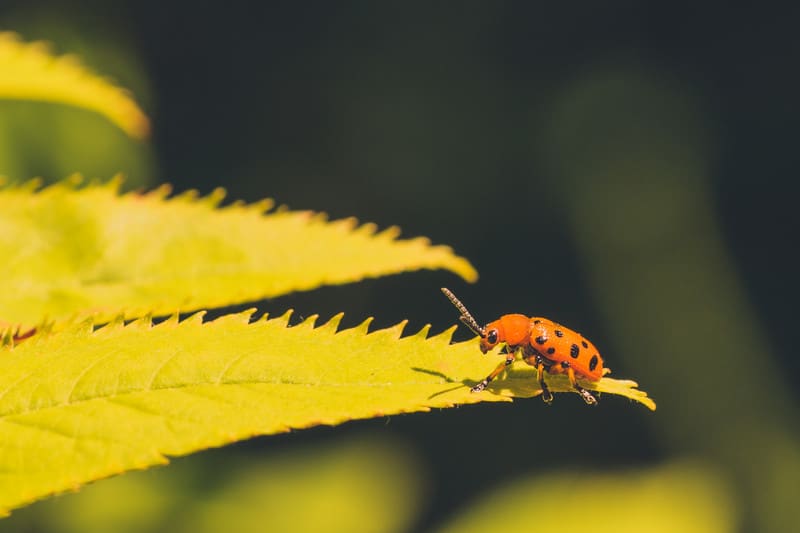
<point>69,251</point>
<point>81,405</point>
<point>28,71</point>
<point>681,497</point>
<point>343,487</point>
<point>210,493</point>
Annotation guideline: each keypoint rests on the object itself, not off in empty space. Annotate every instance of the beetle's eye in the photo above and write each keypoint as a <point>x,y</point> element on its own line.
<point>492,337</point>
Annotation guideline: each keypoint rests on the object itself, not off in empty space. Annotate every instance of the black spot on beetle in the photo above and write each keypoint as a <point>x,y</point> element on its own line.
<point>593,362</point>
<point>574,351</point>
<point>537,321</point>
<point>583,343</point>
<point>559,333</point>
<point>541,339</point>
<point>551,350</point>
<point>564,364</point>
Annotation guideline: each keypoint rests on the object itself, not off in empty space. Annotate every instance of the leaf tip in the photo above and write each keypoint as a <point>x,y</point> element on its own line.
<point>391,233</point>
<point>143,322</point>
<point>263,206</point>
<point>367,229</point>
<point>74,180</point>
<point>445,336</point>
<point>116,322</point>
<point>308,322</point>
<point>624,387</point>
<point>31,185</point>
<point>333,322</point>
<point>462,267</point>
<point>283,320</point>
<point>195,318</point>
<point>423,332</point>
<point>161,192</point>
<point>396,331</point>
<point>242,317</point>
<point>216,197</point>
<point>171,320</point>
<point>188,196</point>
<point>364,326</point>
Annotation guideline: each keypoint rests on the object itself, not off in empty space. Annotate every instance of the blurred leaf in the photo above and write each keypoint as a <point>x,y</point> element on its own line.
<point>361,486</point>
<point>51,141</point>
<point>673,498</point>
<point>631,152</point>
<point>28,71</point>
<point>223,492</point>
<point>128,504</point>
<point>81,405</point>
<point>71,252</point>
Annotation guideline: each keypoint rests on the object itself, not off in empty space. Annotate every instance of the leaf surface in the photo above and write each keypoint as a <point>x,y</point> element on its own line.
<point>81,405</point>
<point>71,252</point>
<point>28,71</point>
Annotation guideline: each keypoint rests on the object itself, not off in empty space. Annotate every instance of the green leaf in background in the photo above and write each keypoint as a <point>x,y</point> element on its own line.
<point>71,252</point>
<point>303,488</point>
<point>365,485</point>
<point>81,405</point>
<point>679,497</point>
<point>29,72</point>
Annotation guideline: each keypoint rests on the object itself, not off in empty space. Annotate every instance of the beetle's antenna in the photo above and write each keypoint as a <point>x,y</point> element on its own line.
<point>465,317</point>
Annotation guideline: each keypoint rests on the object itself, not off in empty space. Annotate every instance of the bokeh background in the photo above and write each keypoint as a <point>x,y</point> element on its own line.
<point>626,169</point>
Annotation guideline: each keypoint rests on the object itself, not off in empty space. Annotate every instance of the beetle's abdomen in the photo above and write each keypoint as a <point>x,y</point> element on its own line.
<point>559,344</point>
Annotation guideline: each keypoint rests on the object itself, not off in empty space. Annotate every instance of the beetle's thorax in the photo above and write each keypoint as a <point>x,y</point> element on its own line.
<point>514,330</point>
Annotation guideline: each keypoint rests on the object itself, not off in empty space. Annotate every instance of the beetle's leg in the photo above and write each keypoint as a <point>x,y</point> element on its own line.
<point>547,396</point>
<point>496,372</point>
<point>585,394</point>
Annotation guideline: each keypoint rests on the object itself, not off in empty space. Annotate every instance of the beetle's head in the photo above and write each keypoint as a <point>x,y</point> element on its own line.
<point>491,336</point>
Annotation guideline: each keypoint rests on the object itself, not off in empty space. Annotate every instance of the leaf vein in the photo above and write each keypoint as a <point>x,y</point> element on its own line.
<point>83,373</point>
<point>158,370</point>
<point>23,423</point>
<point>184,386</point>
<point>227,368</point>
<point>11,386</point>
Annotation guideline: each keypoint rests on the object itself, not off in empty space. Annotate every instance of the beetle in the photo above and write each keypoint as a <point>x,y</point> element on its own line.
<point>544,344</point>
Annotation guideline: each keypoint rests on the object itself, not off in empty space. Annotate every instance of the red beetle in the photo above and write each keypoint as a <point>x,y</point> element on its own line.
<point>546,345</point>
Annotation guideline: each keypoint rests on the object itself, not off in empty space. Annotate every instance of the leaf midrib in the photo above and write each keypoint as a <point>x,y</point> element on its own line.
<point>179,386</point>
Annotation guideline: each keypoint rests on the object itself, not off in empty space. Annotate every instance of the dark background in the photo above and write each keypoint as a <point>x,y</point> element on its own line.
<point>628,170</point>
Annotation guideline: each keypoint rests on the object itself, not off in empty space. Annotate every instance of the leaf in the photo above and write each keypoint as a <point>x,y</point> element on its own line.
<point>81,405</point>
<point>71,251</point>
<point>522,383</point>
<point>342,487</point>
<point>229,491</point>
<point>681,497</point>
<point>28,71</point>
